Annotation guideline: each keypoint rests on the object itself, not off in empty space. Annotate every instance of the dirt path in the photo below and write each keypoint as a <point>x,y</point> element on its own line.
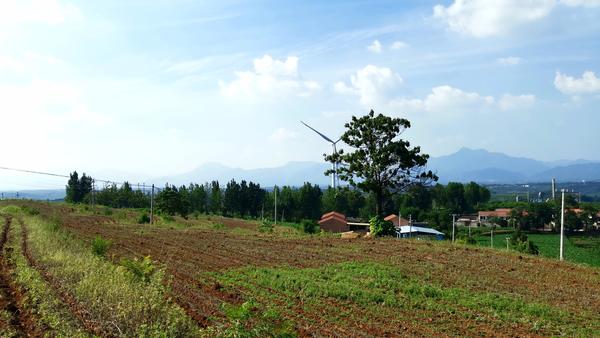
<point>10,321</point>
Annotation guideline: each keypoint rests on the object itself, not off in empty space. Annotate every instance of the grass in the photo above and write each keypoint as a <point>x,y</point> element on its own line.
<point>40,300</point>
<point>577,248</point>
<point>119,302</point>
<point>380,288</point>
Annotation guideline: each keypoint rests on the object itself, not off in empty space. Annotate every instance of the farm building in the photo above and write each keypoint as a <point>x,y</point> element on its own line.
<point>334,222</point>
<point>420,232</point>
<point>394,219</point>
<point>486,216</point>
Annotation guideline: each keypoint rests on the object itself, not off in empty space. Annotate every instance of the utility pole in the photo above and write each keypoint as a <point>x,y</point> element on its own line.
<point>93,193</point>
<point>553,189</point>
<point>453,226</point>
<point>562,224</point>
<point>275,191</point>
<point>152,206</point>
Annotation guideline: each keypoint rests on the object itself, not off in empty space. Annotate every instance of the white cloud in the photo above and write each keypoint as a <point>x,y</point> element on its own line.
<point>587,84</point>
<point>483,18</point>
<point>398,45</point>
<point>509,61</point>
<point>269,77</point>
<point>370,84</point>
<point>511,102</point>
<point>584,3</point>
<point>447,99</point>
<point>37,11</point>
<point>283,134</point>
<point>375,47</point>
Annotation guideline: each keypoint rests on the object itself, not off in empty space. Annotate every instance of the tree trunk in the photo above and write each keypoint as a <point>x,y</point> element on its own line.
<point>379,204</point>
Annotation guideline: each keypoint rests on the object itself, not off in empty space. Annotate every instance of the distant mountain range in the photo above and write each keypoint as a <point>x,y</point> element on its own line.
<point>489,167</point>
<point>464,165</point>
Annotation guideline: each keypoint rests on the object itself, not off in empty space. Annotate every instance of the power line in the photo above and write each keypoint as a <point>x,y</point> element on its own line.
<point>67,176</point>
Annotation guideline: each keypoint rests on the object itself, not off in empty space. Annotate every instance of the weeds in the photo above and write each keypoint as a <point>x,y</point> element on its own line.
<point>266,226</point>
<point>141,269</point>
<point>100,246</point>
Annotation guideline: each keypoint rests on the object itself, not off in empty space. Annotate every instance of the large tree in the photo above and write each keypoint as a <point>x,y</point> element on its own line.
<point>380,162</point>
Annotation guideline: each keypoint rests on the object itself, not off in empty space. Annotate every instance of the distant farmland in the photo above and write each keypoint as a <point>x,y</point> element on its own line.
<point>77,271</point>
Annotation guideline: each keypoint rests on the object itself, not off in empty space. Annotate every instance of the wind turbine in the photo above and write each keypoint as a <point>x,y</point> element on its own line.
<point>334,167</point>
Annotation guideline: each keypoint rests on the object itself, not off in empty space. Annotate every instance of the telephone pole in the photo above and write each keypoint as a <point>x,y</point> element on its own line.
<point>152,206</point>
<point>453,226</point>
<point>275,191</point>
<point>562,223</point>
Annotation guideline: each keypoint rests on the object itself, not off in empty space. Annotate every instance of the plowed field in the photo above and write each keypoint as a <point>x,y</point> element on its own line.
<point>456,290</point>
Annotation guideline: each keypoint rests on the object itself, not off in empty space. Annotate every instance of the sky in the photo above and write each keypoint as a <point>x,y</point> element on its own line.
<point>160,87</point>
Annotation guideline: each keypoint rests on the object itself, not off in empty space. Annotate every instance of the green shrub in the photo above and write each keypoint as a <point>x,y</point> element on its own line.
<point>144,219</point>
<point>266,226</point>
<point>140,269</point>
<point>521,243</point>
<point>100,246</point>
<point>309,226</point>
<point>218,225</point>
<point>107,211</point>
<point>53,224</point>
<point>380,227</point>
<point>31,211</point>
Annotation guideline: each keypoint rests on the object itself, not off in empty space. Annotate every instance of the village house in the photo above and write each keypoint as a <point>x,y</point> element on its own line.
<point>487,216</point>
<point>334,222</point>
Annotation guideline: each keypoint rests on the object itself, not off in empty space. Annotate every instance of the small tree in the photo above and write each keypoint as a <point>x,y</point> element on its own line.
<point>381,162</point>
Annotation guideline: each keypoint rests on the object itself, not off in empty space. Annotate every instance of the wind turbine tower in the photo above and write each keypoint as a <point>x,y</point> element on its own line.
<point>334,166</point>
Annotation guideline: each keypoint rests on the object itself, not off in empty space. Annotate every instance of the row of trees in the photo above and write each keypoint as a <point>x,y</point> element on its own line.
<point>527,216</point>
<point>78,188</point>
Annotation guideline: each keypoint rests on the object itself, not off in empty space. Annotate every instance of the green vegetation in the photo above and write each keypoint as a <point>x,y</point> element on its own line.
<point>41,299</point>
<point>380,228</point>
<point>381,163</point>
<point>379,289</point>
<point>100,246</point>
<point>266,226</point>
<point>115,297</point>
<point>577,248</point>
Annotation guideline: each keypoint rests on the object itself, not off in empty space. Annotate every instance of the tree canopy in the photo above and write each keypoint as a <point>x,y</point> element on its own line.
<point>380,161</point>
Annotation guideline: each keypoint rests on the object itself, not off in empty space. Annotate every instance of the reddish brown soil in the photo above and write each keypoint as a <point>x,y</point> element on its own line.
<point>189,253</point>
<point>21,322</point>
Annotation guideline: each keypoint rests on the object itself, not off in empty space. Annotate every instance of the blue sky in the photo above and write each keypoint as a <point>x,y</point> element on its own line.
<point>160,87</point>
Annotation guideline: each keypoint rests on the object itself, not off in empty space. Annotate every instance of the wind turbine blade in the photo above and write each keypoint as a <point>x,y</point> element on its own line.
<point>313,129</point>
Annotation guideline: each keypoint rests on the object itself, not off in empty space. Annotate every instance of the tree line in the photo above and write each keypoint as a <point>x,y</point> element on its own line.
<point>247,199</point>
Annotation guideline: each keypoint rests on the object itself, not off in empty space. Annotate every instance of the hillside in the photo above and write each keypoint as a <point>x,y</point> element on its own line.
<point>232,279</point>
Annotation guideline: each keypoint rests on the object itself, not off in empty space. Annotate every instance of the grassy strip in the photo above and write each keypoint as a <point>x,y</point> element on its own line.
<point>374,285</point>
<point>117,300</point>
<point>587,251</point>
<point>52,314</point>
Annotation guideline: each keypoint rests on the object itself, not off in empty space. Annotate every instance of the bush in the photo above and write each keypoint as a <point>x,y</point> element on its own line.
<point>521,243</point>
<point>107,211</point>
<point>140,269</point>
<point>380,228</point>
<point>309,226</point>
<point>31,211</point>
<point>266,226</point>
<point>144,219</point>
<point>100,246</point>
<point>218,225</point>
